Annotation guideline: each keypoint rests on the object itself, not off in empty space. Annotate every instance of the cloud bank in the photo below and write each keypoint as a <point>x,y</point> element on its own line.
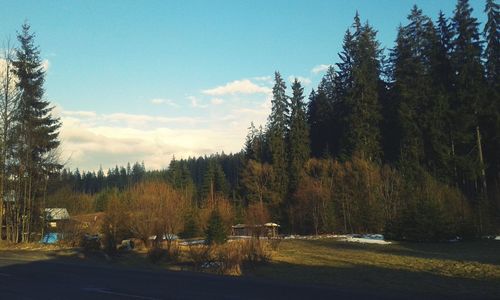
<point>244,86</point>
<point>90,139</point>
<point>320,69</point>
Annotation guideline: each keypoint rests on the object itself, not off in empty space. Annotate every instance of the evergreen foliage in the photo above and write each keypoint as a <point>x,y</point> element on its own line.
<point>408,146</point>
<point>298,136</point>
<point>216,232</point>
<point>277,128</point>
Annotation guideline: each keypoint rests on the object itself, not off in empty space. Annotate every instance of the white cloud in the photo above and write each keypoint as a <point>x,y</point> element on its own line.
<point>79,113</point>
<point>244,86</point>
<point>90,139</point>
<point>157,101</point>
<point>45,65</point>
<point>303,80</point>
<point>217,101</point>
<point>160,101</point>
<point>320,68</point>
<point>195,102</point>
<point>266,79</point>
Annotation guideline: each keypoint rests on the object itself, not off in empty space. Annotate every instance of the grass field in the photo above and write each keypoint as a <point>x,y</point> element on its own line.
<point>464,269</point>
<point>442,270</point>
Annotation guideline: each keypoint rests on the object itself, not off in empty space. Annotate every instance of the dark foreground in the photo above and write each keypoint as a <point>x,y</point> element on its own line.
<point>25,277</point>
<point>46,275</point>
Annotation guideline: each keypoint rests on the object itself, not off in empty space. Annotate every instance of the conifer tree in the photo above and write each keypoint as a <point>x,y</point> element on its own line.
<point>276,130</point>
<point>216,232</point>
<point>421,87</point>
<point>298,136</point>
<point>468,107</point>
<point>491,121</point>
<point>35,127</point>
<point>361,100</point>
<point>468,103</point>
<point>319,115</point>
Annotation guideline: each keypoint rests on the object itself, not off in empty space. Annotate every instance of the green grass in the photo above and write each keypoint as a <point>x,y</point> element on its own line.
<point>467,269</point>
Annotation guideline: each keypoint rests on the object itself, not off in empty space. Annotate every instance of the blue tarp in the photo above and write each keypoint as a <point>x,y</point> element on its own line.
<point>50,238</point>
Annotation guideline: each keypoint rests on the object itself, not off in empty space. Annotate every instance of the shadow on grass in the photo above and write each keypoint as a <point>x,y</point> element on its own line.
<point>70,277</point>
<point>381,282</point>
<point>66,275</point>
<point>480,251</point>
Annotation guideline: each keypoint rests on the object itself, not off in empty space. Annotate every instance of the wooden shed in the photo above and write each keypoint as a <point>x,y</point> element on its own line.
<point>266,230</point>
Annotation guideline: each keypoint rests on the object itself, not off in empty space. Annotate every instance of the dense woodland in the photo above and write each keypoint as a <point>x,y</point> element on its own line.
<point>404,141</point>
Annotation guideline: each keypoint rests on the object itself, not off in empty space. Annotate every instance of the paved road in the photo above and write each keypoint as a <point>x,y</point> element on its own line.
<point>24,277</point>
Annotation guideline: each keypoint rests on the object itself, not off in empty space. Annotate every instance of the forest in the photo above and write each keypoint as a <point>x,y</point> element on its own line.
<point>402,141</point>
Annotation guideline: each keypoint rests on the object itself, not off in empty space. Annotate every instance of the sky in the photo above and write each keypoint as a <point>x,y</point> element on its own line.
<point>149,80</point>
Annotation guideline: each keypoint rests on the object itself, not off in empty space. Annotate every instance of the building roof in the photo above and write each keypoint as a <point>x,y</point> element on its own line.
<point>253,226</point>
<point>55,214</point>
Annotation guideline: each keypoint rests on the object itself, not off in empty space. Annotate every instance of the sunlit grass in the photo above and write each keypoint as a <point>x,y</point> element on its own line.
<point>464,268</point>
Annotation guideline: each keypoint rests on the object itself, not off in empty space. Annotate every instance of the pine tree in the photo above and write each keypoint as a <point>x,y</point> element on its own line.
<point>298,136</point>
<point>214,180</point>
<point>35,127</point>
<point>421,86</point>
<point>276,131</point>
<point>216,232</point>
<point>319,116</point>
<point>468,106</point>
<point>492,51</point>
<point>361,100</point>
<point>468,101</point>
<point>491,121</point>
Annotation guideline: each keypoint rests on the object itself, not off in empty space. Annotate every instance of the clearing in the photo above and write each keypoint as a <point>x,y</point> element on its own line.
<point>462,269</point>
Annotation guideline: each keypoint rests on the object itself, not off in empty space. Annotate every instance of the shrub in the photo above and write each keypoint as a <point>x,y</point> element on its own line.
<point>229,258</point>
<point>90,243</point>
<point>156,254</point>
<point>216,232</point>
<point>256,251</point>
<point>191,226</point>
<point>199,254</point>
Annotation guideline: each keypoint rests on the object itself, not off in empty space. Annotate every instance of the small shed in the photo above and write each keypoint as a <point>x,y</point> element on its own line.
<point>55,216</point>
<point>267,229</point>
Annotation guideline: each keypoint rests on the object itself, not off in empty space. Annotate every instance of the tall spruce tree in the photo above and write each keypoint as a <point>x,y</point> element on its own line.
<point>361,99</point>
<point>420,73</point>
<point>468,101</point>
<point>276,131</point>
<point>492,51</point>
<point>319,119</point>
<point>491,122</point>
<point>468,107</point>
<point>36,129</point>
<point>298,136</point>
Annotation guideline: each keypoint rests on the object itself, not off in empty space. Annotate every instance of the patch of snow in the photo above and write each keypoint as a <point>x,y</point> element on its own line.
<point>497,238</point>
<point>193,242</point>
<point>366,239</point>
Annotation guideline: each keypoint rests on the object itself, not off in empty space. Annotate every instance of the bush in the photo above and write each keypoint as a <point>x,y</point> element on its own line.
<point>216,232</point>
<point>156,254</point>
<point>191,227</point>
<point>229,258</point>
<point>173,253</point>
<point>433,212</point>
<point>90,243</point>
<point>199,254</point>
<point>256,251</point>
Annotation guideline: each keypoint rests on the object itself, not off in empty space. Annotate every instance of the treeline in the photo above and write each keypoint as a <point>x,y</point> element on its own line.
<point>423,122</point>
<point>28,140</point>
<point>404,142</point>
<point>94,182</point>
<point>195,176</point>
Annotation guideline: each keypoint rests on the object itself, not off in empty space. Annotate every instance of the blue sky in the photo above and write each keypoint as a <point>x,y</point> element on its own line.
<point>146,80</point>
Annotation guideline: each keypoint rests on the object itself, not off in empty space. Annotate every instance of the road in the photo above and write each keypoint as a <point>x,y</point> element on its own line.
<point>25,277</point>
